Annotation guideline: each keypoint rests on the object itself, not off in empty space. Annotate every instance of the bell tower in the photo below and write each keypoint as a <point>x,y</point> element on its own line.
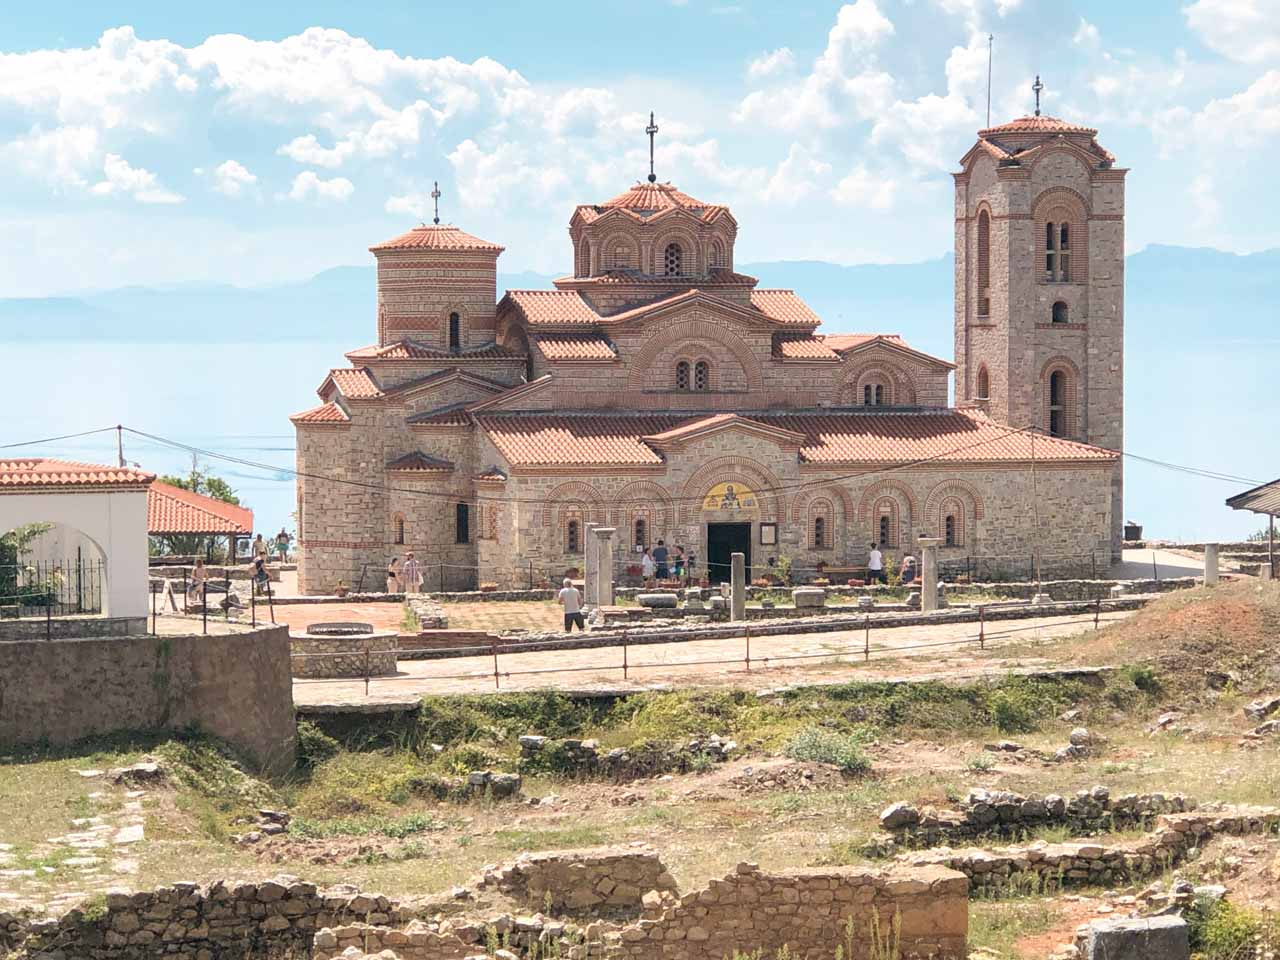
<point>1039,273</point>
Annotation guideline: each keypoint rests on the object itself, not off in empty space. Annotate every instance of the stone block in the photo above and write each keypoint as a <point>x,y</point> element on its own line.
<point>809,597</point>
<point>1151,938</point>
<point>657,601</point>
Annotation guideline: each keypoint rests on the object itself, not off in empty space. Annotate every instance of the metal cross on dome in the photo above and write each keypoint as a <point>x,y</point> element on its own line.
<point>1037,87</point>
<point>435,196</point>
<point>651,129</point>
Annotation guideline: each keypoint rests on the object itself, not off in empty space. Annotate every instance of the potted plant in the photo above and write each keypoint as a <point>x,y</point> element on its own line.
<point>855,582</point>
<point>821,582</point>
<point>633,570</point>
<point>340,589</point>
<point>488,587</point>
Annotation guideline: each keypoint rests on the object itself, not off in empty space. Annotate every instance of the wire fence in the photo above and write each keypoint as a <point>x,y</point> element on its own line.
<point>53,588</point>
<point>748,661</point>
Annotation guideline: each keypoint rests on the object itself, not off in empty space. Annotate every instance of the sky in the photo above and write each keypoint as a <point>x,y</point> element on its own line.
<point>259,143</point>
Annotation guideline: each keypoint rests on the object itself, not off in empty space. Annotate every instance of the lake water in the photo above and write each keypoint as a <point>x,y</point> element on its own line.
<point>1213,409</point>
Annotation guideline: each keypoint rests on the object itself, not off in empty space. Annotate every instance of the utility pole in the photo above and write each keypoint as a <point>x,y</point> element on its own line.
<point>119,445</point>
<point>991,38</point>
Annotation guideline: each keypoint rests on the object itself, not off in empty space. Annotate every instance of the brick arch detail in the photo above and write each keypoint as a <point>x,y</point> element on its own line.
<point>1086,161</point>
<point>1071,401</point>
<point>839,494</point>
<point>878,491</point>
<point>1054,205</point>
<point>642,492</point>
<point>1065,196</point>
<point>904,389</point>
<point>612,241</point>
<point>965,494</point>
<point>700,331</point>
<point>733,470</point>
<point>691,253</point>
<point>573,492</point>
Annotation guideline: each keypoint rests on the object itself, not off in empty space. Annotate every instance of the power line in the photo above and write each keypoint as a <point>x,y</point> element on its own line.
<point>68,436</point>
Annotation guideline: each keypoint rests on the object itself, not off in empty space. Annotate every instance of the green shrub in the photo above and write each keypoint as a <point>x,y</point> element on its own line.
<point>1223,931</point>
<point>314,745</point>
<point>1010,713</point>
<point>1142,677</point>
<point>819,745</point>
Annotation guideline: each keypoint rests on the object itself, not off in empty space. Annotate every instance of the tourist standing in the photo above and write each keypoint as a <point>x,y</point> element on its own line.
<point>677,562</point>
<point>908,569</point>
<point>393,575</point>
<point>282,544</point>
<point>199,577</point>
<point>260,548</point>
<point>647,568</point>
<point>875,565</point>
<point>571,600</point>
<point>660,555</point>
<point>260,576</point>
<point>411,573</point>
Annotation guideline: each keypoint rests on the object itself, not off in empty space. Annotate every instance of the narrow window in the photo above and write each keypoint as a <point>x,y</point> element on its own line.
<point>984,264</point>
<point>949,536</point>
<point>462,523</point>
<point>455,333</point>
<point>884,531</point>
<point>572,542</point>
<point>701,376</point>
<point>984,384</point>
<point>671,260</point>
<point>1059,312</point>
<point>717,254</point>
<point>1057,408</point>
<point>682,375</point>
<point>1064,255</point>
<point>819,533</point>
<point>866,395</point>
<point>399,529</point>
<point>641,532</point>
<point>879,395</point>
<point>1050,254</point>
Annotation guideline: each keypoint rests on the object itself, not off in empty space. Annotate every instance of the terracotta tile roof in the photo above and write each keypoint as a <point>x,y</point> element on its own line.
<point>784,306</point>
<point>47,472</point>
<point>847,341</point>
<point>571,440</point>
<point>552,306</point>
<point>454,415</point>
<point>628,276</point>
<point>703,425</point>
<point>1038,124</point>
<point>644,201</point>
<point>415,350</point>
<point>853,437</point>
<point>575,348</point>
<point>803,348</point>
<point>419,462</point>
<point>325,413</point>
<point>353,383</point>
<point>442,236</point>
<point>171,509</point>
<point>440,376</point>
<point>492,475</point>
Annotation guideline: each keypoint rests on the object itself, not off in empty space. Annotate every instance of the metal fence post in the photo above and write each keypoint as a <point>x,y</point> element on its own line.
<point>226,601</point>
<point>204,608</point>
<point>747,633</point>
<point>48,619</point>
<point>624,654</point>
<point>1097,612</point>
<point>253,607</point>
<point>153,609</point>
<point>866,639</point>
<point>366,672</point>
<point>1155,570</point>
<point>184,589</point>
<point>982,627</point>
<point>496,684</point>
<point>271,604</point>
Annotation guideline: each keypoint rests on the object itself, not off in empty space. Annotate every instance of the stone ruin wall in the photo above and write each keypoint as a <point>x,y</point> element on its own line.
<point>600,880</point>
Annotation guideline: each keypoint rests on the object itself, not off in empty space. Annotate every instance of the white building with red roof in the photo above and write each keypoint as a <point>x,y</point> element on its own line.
<point>658,390</point>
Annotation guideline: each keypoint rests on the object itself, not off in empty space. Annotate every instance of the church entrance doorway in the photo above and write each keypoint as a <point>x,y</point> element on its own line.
<point>724,540</point>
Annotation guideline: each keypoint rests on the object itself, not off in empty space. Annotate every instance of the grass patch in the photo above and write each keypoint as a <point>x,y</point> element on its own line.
<point>999,925</point>
<point>819,745</point>
<point>369,826</point>
<point>551,839</point>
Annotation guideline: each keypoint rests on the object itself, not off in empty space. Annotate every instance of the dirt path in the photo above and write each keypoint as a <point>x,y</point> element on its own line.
<point>812,657</point>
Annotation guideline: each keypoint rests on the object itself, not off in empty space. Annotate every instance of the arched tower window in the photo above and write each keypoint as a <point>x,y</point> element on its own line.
<point>672,260</point>
<point>873,395</point>
<point>717,254</point>
<point>455,333</point>
<point>399,528</point>
<point>1064,253</point>
<point>1060,310</point>
<point>984,383</point>
<point>702,376</point>
<point>682,375</point>
<point>885,532</point>
<point>1057,252</point>
<point>1057,404</point>
<point>819,533</point>
<point>641,537</point>
<point>984,264</point>
<point>572,537</point>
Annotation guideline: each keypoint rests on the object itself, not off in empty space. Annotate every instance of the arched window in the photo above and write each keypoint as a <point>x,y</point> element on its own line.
<point>462,523</point>
<point>819,533</point>
<point>873,395</point>
<point>1057,404</point>
<point>951,514</point>
<point>1064,254</point>
<point>885,531</point>
<point>984,383</point>
<point>620,257</point>
<point>1059,312</point>
<point>641,532</point>
<point>949,530</point>
<point>702,376</point>
<point>572,537</point>
<point>984,264</point>
<point>717,254</point>
<point>399,529</point>
<point>1057,252</point>
<point>672,258</point>
<point>682,375</point>
<point>1050,252</point>
<point>455,333</point>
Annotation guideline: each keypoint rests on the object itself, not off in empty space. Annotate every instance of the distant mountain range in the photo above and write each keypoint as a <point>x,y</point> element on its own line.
<point>1171,291</point>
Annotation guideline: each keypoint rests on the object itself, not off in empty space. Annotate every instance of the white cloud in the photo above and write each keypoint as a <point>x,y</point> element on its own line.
<point>308,185</point>
<point>797,177</point>
<point>483,179</point>
<point>307,149</point>
<point>62,157</point>
<point>1246,119</point>
<point>1087,35</point>
<point>1247,31</point>
<point>861,188</point>
<point>142,185</point>
<point>772,63</point>
<point>1204,196</point>
<point>230,178</point>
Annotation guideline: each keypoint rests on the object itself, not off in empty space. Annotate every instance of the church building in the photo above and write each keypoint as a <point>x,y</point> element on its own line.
<point>659,391</point>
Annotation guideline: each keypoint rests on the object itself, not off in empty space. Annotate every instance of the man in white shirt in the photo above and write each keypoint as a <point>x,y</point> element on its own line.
<point>571,600</point>
<point>875,565</point>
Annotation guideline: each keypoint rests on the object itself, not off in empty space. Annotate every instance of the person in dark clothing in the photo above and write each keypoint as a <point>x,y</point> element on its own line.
<point>660,557</point>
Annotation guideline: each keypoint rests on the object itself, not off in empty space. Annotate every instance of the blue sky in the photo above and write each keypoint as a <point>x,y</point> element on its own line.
<point>255,143</point>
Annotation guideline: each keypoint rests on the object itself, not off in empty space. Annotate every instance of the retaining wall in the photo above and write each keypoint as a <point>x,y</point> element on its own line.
<point>235,686</point>
<point>65,628</point>
<point>350,656</point>
<point>598,880</point>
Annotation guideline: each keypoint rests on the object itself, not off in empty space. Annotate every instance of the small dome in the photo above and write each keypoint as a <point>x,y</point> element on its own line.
<point>1038,124</point>
<point>439,236</point>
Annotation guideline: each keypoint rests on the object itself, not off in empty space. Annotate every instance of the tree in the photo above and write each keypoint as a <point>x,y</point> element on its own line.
<point>18,583</point>
<point>200,481</point>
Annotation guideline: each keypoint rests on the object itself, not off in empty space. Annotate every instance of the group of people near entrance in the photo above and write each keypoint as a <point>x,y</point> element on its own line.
<point>404,577</point>
<point>663,564</point>
<point>875,567</point>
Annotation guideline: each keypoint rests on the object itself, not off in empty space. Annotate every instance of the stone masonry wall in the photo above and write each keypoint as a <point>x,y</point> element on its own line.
<point>235,686</point>
<point>808,911</point>
<point>600,880</point>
